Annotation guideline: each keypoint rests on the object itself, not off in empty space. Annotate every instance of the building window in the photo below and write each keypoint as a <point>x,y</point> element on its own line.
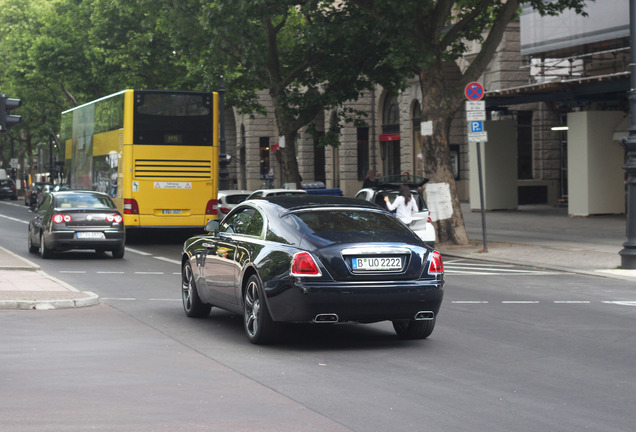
<point>319,159</point>
<point>417,167</point>
<point>524,144</point>
<point>264,156</point>
<point>390,138</point>
<point>363,152</point>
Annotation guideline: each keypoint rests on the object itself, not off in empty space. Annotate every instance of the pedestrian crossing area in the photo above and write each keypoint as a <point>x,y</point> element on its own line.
<point>464,267</point>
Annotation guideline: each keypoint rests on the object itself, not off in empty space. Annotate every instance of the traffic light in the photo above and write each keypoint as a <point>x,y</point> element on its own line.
<point>6,105</point>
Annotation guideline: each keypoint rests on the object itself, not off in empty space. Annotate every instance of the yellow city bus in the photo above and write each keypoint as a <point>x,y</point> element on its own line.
<point>155,152</point>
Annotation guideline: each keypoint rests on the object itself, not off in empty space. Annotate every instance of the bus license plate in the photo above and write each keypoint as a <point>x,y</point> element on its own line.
<point>172,211</point>
<point>90,235</point>
<point>377,263</point>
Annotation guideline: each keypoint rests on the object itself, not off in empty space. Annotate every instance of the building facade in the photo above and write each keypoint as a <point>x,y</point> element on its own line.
<point>549,73</point>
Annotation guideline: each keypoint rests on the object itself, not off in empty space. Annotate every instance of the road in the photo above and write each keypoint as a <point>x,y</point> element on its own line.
<point>515,349</point>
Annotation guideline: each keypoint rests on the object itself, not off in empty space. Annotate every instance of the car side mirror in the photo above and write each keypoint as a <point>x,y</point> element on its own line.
<point>212,226</point>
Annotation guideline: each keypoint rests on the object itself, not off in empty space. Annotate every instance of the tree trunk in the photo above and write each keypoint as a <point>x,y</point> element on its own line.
<point>440,105</point>
<point>290,172</point>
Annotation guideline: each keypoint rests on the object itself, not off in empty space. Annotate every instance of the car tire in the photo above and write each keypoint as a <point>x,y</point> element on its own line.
<point>119,252</point>
<point>258,323</point>
<point>412,329</point>
<point>192,304</point>
<point>45,252</point>
<point>32,248</point>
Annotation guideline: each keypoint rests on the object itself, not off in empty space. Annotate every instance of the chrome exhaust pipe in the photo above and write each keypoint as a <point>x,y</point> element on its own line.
<point>425,316</point>
<point>326,318</point>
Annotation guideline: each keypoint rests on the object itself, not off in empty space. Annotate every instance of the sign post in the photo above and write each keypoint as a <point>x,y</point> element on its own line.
<point>475,115</point>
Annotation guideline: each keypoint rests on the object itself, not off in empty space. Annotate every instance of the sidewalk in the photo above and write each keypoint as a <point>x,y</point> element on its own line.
<point>545,236</point>
<point>24,286</point>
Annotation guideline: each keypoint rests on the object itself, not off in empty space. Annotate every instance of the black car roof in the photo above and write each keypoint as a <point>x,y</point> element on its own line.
<point>308,201</point>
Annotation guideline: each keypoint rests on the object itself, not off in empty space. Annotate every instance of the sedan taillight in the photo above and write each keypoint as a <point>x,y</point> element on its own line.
<point>436,265</point>
<point>59,218</point>
<point>114,218</point>
<point>304,265</point>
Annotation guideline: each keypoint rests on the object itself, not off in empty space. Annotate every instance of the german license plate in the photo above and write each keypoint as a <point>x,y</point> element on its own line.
<point>172,211</point>
<point>376,263</point>
<point>90,235</point>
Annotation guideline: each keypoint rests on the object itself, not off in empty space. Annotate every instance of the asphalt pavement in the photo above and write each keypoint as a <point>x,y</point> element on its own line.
<point>540,236</point>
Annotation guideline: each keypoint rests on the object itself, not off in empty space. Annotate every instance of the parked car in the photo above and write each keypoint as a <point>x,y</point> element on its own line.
<point>67,220</point>
<point>8,189</point>
<point>312,259</point>
<point>35,190</point>
<point>228,199</point>
<point>276,192</point>
<point>421,224</point>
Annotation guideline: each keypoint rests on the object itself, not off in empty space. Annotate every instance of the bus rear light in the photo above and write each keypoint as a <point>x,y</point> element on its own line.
<point>210,208</point>
<point>131,206</point>
<point>436,265</point>
<point>59,218</point>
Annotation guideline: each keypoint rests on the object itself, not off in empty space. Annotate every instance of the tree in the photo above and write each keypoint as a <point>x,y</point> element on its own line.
<point>58,54</point>
<point>431,36</point>
<point>310,56</point>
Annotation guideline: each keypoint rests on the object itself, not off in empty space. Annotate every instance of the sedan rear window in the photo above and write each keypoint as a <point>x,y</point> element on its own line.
<point>84,201</point>
<point>346,226</point>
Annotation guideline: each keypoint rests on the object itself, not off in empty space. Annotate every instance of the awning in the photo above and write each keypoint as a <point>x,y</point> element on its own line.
<point>390,137</point>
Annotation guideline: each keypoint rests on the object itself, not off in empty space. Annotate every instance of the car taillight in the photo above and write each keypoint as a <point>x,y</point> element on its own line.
<point>429,220</point>
<point>210,208</point>
<point>131,206</point>
<point>224,210</point>
<point>114,218</point>
<point>436,265</point>
<point>304,265</point>
<point>59,218</point>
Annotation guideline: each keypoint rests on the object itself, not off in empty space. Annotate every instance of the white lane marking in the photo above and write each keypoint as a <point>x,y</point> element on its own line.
<point>14,219</point>
<point>111,272</point>
<point>519,302</point>
<point>149,273</point>
<point>621,303</point>
<point>465,273</point>
<point>73,271</point>
<point>177,273</point>
<point>475,264</point>
<point>137,251</point>
<point>167,260</point>
<point>469,302</point>
<point>119,298</point>
<point>572,302</point>
<point>495,272</point>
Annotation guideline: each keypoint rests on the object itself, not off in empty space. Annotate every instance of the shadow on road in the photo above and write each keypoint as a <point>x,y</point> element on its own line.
<point>160,236</point>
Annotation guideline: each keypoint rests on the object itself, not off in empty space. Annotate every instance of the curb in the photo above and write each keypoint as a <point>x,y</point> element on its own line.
<point>92,299</point>
<point>69,298</point>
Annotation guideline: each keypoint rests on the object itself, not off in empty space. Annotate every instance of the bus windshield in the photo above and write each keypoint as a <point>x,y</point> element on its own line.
<point>163,117</point>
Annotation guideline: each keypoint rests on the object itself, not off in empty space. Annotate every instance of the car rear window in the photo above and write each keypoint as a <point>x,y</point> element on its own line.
<point>235,199</point>
<point>84,201</point>
<point>352,226</point>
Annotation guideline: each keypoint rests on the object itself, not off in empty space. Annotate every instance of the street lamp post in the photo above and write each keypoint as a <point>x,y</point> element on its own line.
<point>628,253</point>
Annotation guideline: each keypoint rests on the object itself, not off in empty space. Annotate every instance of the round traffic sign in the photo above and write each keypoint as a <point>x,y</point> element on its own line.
<point>474,91</point>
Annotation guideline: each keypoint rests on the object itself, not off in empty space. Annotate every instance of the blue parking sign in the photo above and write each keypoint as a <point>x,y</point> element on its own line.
<point>476,126</point>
